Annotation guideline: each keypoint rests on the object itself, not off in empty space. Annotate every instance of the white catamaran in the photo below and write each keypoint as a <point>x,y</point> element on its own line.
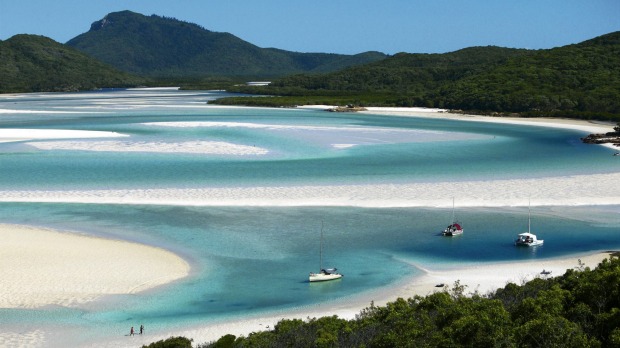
<point>325,273</point>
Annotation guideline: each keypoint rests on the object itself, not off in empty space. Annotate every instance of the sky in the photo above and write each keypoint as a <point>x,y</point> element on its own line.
<point>342,26</point>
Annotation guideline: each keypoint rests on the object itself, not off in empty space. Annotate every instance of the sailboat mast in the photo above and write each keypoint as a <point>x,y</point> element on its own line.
<point>321,249</point>
<point>529,215</point>
<point>452,209</point>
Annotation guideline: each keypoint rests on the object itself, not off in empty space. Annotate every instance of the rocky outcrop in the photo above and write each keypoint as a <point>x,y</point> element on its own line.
<point>606,138</point>
<point>348,108</point>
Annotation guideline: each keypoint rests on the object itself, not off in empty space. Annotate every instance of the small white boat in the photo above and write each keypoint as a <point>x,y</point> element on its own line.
<point>453,229</point>
<point>325,273</point>
<point>528,238</point>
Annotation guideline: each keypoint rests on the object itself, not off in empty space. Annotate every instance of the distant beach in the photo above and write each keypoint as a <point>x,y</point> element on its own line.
<point>566,123</point>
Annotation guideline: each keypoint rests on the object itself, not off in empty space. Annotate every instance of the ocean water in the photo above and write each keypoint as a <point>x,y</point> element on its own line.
<point>251,260</point>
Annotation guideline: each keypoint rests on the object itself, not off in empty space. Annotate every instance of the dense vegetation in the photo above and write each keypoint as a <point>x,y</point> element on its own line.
<point>30,63</point>
<point>578,309</point>
<point>165,47</point>
<point>581,80</point>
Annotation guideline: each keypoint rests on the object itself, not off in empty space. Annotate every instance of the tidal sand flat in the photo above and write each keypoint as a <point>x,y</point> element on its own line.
<point>40,267</point>
<point>189,147</point>
<point>594,189</point>
<point>14,134</point>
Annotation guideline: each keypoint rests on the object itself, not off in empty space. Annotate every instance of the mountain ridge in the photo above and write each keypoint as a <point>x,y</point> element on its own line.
<point>159,46</point>
<point>577,80</point>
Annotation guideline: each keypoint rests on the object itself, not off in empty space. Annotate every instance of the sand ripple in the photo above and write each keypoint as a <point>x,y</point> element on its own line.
<point>595,189</point>
<point>188,147</point>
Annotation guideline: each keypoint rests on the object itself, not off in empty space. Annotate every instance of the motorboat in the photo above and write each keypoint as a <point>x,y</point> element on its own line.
<point>325,273</point>
<point>454,229</point>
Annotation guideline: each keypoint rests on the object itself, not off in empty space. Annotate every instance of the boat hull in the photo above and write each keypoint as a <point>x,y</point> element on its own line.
<point>452,233</point>
<point>528,239</point>
<point>322,277</point>
<point>524,244</point>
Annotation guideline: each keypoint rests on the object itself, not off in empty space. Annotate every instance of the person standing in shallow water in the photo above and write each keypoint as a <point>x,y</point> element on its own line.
<point>141,329</point>
<point>131,331</point>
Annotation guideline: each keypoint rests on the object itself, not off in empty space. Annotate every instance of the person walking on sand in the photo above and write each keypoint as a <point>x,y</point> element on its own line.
<point>141,329</point>
<point>131,331</point>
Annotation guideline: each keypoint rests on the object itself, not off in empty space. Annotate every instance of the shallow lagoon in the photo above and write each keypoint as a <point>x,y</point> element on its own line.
<point>249,260</point>
<point>256,259</point>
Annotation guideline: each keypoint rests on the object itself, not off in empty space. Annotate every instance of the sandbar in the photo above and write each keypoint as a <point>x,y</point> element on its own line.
<point>187,147</point>
<point>40,267</point>
<point>572,190</point>
<point>21,134</point>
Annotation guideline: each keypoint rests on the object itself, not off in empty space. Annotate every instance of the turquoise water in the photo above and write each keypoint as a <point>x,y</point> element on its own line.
<point>232,249</point>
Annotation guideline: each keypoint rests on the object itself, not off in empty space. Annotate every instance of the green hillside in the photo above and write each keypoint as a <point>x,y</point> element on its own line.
<point>165,47</point>
<point>30,63</point>
<point>577,78</point>
<point>581,80</point>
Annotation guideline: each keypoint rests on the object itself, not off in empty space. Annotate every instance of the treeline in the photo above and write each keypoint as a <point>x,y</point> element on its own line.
<point>580,81</point>
<point>578,309</point>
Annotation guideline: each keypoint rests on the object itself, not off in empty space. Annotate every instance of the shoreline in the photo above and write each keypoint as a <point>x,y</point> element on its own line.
<point>481,277</point>
<point>41,267</point>
<point>551,122</point>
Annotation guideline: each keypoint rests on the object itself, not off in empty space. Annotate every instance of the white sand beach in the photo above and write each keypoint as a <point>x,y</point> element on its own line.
<point>40,267</point>
<point>566,123</point>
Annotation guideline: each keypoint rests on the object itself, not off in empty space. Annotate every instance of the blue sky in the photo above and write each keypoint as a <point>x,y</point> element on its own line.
<point>342,26</point>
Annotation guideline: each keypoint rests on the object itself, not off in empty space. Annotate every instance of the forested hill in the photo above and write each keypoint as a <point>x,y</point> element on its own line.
<point>30,63</point>
<point>580,80</point>
<point>165,47</point>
